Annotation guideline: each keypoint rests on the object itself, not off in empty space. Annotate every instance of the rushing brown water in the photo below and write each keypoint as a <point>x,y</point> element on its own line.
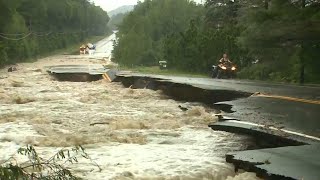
<point>131,134</point>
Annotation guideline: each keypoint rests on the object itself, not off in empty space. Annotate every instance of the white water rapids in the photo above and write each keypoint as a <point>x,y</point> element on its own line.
<point>143,135</point>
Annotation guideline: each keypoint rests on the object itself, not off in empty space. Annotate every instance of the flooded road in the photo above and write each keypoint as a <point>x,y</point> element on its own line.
<point>129,133</point>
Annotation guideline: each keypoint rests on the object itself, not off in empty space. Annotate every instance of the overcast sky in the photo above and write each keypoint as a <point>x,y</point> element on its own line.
<point>109,5</point>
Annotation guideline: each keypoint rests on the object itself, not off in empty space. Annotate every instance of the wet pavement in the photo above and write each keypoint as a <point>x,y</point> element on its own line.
<point>93,69</point>
<point>276,115</point>
<point>291,115</point>
<point>280,163</point>
<point>281,154</point>
<point>292,107</point>
<point>105,47</point>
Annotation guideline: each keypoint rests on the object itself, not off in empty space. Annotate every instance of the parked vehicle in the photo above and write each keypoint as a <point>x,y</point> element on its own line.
<point>163,64</point>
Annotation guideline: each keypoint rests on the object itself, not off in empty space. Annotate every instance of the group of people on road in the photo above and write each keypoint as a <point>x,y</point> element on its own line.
<point>87,49</point>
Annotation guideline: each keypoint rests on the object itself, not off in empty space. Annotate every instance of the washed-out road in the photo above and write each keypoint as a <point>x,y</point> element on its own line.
<point>129,133</point>
<point>288,106</point>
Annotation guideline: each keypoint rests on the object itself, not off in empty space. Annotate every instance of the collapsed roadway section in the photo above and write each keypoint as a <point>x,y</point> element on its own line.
<point>278,154</point>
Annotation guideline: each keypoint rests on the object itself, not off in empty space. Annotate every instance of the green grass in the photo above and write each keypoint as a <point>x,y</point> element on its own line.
<point>157,71</point>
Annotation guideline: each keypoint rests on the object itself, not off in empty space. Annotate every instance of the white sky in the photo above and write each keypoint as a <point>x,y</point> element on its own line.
<point>109,5</point>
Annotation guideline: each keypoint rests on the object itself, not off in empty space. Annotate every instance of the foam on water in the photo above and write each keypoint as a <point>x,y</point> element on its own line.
<point>131,134</point>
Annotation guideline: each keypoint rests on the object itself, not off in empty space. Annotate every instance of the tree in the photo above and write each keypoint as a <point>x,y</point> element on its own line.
<point>142,32</point>
<point>116,20</point>
<point>282,34</point>
<point>29,28</point>
<point>292,28</point>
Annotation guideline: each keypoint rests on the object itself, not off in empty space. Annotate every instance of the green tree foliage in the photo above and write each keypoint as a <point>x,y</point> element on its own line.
<point>29,28</point>
<point>143,31</point>
<point>37,167</point>
<point>287,33</point>
<point>188,36</point>
<point>283,35</point>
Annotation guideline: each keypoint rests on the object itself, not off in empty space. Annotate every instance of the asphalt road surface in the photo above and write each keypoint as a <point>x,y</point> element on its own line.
<point>287,106</point>
<point>292,107</point>
<point>104,47</point>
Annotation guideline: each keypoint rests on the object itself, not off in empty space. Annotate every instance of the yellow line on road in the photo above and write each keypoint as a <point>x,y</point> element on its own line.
<point>289,98</point>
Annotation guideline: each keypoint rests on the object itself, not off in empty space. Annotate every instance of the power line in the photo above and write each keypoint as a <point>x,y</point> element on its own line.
<point>43,34</point>
<point>39,34</point>
<point>16,39</point>
<point>15,34</point>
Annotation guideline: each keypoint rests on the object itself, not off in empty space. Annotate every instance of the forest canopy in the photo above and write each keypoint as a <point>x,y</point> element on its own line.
<point>29,28</point>
<point>283,36</point>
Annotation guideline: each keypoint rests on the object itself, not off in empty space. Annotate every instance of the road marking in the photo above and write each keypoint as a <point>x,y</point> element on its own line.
<point>289,98</point>
<point>276,129</point>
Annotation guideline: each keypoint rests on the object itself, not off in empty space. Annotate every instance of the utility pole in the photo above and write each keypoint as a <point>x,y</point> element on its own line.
<point>302,54</point>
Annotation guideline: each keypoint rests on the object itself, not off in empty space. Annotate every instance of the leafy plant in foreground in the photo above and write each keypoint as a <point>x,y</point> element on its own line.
<point>37,167</point>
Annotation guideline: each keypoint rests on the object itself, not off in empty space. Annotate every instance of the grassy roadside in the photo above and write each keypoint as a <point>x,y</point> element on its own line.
<point>157,71</point>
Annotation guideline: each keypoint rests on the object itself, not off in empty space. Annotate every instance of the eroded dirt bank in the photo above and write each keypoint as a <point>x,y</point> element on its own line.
<point>130,133</point>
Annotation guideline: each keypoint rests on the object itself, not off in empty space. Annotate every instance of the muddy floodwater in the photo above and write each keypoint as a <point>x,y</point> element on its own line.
<point>130,133</point>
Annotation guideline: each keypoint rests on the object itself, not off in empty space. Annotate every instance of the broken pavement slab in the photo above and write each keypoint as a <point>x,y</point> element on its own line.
<point>286,154</point>
<point>180,91</point>
<point>289,107</point>
<point>91,69</point>
<point>277,136</point>
<point>110,75</point>
<point>292,162</point>
<point>81,73</point>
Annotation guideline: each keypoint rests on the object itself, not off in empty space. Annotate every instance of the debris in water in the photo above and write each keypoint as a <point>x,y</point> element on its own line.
<point>183,108</point>
<point>11,69</point>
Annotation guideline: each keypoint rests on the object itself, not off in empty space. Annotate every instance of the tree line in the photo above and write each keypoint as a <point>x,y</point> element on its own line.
<point>29,28</point>
<point>116,20</point>
<point>268,39</point>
